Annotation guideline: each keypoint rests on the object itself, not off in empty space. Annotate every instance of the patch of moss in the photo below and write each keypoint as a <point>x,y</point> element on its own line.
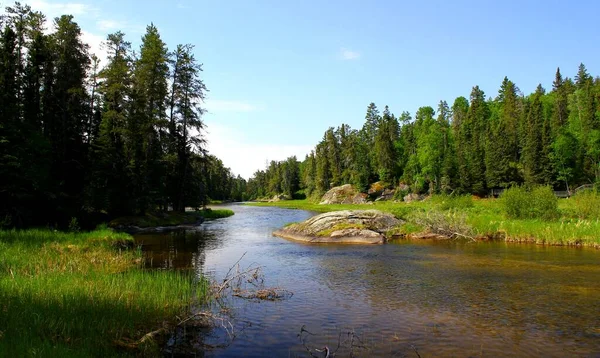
<point>341,226</point>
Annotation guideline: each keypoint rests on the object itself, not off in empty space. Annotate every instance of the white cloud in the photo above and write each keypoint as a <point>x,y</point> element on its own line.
<point>245,158</point>
<point>95,42</point>
<point>347,54</point>
<point>53,10</point>
<point>108,25</point>
<point>219,105</point>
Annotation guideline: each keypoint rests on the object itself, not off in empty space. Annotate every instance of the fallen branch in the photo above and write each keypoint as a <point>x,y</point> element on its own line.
<point>268,294</point>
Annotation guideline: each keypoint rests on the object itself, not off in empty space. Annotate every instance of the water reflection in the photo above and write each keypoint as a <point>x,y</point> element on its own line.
<point>444,298</point>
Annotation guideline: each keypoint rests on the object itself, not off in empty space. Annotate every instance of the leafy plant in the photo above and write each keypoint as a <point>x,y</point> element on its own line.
<point>538,203</point>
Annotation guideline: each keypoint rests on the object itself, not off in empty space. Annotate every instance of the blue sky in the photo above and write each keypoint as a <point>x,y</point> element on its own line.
<point>281,72</point>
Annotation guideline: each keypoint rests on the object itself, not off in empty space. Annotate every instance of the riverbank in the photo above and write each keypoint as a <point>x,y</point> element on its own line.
<point>168,219</point>
<point>85,294</point>
<point>479,219</point>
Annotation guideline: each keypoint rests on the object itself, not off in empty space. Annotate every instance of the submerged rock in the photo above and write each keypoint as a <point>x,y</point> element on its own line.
<point>345,194</point>
<point>347,226</point>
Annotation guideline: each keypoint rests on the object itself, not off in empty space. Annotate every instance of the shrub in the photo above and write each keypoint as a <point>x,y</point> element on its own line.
<point>587,204</point>
<point>520,203</point>
<point>453,202</point>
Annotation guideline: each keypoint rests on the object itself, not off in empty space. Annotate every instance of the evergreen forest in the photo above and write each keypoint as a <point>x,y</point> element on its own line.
<point>90,140</point>
<point>549,137</point>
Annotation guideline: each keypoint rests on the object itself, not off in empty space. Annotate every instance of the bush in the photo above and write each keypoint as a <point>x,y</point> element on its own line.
<point>587,204</point>
<point>454,202</point>
<point>538,203</point>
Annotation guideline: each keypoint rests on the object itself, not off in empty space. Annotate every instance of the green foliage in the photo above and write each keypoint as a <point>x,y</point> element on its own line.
<point>522,203</point>
<point>453,202</point>
<point>216,213</point>
<point>587,204</point>
<point>74,225</point>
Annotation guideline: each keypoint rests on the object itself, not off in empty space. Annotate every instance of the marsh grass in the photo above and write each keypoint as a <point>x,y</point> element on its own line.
<point>486,218</point>
<point>79,294</point>
<point>171,218</point>
<point>211,213</point>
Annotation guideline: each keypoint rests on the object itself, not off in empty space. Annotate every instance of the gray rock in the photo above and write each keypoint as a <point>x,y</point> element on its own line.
<point>347,226</point>
<point>279,197</point>
<point>345,194</point>
<point>413,197</point>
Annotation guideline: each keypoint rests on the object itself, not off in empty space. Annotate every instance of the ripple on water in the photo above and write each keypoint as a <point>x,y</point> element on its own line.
<point>443,298</point>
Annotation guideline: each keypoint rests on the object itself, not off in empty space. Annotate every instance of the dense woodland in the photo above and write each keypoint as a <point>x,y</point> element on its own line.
<point>474,145</point>
<point>80,138</point>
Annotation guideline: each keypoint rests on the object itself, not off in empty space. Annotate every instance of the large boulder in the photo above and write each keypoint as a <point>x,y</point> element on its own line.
<point>279,197</point>
<point>345,194</point>
<point>346,226</point>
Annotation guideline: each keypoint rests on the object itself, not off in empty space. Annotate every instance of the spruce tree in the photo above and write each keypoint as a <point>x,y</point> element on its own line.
<point>477,121</point>
<point>462,133</point>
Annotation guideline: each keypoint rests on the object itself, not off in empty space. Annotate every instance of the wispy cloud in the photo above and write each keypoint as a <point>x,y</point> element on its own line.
<point>219,105</point>
<point>57,9</point>
<point>108,25</point>
<point>242,154</point>
<point>347,54</point>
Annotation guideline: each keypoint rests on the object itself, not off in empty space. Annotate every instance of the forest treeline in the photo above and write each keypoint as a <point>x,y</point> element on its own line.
<point>476,144</point>
<point>79,137</point>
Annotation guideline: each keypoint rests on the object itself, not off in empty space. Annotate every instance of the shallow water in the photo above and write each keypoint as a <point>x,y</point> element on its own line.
<point>435,298</point>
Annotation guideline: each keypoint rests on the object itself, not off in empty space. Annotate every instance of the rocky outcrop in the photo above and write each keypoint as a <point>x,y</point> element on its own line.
<point>347,226</point>
<point>413,197</point>
<point>345,194</point>
<point>279,197</point>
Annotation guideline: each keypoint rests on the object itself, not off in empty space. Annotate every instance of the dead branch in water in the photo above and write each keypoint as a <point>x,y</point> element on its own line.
<point>236,278</point>
<point>268,294</point>
<point>452,225</point>
<point>352,341</point>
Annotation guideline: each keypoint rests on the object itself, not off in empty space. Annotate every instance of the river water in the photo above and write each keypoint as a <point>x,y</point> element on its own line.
<point>402,299</point>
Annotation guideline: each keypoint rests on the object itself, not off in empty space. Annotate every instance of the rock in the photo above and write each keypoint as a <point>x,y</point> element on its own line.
<point>376,189</point>
<point>279,197</point>
<point>347,226</point>
<point>403,187</point>
<point>413,197</point>
<point>387,194</point>
<point>345,194</point>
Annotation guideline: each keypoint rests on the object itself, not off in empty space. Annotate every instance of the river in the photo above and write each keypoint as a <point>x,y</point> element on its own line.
<point>404,299</point>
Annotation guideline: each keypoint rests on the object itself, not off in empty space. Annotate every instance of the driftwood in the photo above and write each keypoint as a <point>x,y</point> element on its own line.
<point>352,340</point>
<point>451,225</point>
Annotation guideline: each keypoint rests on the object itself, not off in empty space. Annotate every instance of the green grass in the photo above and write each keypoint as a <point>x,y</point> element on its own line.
<point>576,223</point>
<point>216,213</point>
<point>83,294</point>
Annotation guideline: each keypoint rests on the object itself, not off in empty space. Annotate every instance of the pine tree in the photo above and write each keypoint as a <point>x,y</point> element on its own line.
<point>477,122</point>
<point>147,121</point>
<point>66,123</point>
<point>533,149</point>
<point>112,186</point>
<point>502,154</point>
<point>462,132</point>
<point>385,152</point>
<point>560,115</point>
<point>185,119</point>
<point>333,157</point>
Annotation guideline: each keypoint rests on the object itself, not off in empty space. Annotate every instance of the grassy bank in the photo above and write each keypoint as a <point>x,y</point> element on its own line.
<point>170,218</point>
<point>482,219</point>
<point>83,294</point>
